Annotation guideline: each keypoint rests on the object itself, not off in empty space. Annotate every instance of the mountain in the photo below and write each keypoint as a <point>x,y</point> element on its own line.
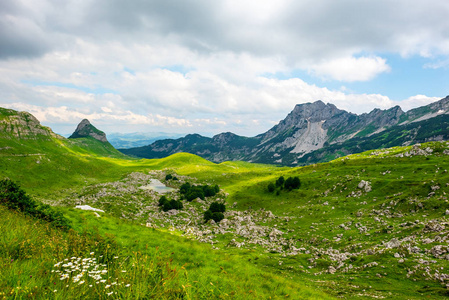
<point>138,139</point>
<point>27,148</point>
<point>22,125</point>
<point>85,129</point>
<point>313,132</point>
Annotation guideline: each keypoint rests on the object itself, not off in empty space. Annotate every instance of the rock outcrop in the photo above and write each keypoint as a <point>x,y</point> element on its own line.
<point>315,132</point>
<point>86,129</point>
<point>22,125</point>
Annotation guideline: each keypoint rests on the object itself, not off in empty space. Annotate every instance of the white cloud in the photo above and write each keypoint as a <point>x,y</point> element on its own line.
<point>350,68</point>
<point>416,101</point>
<point>195,64</point>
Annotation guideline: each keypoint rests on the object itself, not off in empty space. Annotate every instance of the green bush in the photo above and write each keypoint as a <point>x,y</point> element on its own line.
<point>191,192</point>
<point>168,177</point>
<point>290,184</point>
<point>280,182</point>
<point>217,207</point>
<point>185,188</point>
<point>162,200</point>
<point>14,198</point>
<point>169,204</point>
<point>195,192</point>
<point>215,212</point>
<point>217,216</point>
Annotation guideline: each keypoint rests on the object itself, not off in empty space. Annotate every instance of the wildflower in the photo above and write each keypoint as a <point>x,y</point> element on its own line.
<point>55,291</point>
<point>92,253</point>
<point>123,271</point>
<point>81,282</point>
<point>109,294</point>
<point>107,286</point>
<point>128,285</point>
<point>103,280</point>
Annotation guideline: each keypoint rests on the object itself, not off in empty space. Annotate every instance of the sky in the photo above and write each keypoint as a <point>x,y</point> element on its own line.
<point>216,66</point>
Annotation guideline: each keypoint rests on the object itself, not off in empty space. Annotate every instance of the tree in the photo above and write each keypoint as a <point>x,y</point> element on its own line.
<point>271,187</point>
<point>185,188</point>
<point>195,192</point>
<point>292,183</point>
<point>217,216</point>
<point>162,200</point>
<point>296,182</point>
<point>280,182</point>
<point>217,207</point>
<point>168,177</point>
<point>209,191</point>
<point>172,204</point>
<point>207,215</point>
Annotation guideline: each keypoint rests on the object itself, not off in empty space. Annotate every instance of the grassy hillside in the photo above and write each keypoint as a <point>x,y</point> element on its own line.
<point>371,225</point>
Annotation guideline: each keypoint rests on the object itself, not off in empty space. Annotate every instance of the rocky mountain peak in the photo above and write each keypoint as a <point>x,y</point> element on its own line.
<point>86,129</point>
<point>314,112</point>
<point>22,125</point>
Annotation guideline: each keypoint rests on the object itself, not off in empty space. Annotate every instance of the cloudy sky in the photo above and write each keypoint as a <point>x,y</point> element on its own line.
<point>214,66</point>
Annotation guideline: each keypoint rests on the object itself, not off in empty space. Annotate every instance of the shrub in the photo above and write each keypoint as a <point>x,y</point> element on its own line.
<point>162,200</point>
<point>292,183</point>
<point>216,216</point>
<point>172,204</point>
<point>168,177</point>
<point>195,192</point>
<point>217,207</point>
<point>207,215</point>
<point>210,191</point>
<point>280,182</point>
<point>215,212</point>
<point>185,188</point>
<point>13,197</point>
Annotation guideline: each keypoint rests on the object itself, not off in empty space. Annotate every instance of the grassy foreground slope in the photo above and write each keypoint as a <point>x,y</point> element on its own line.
<point>103,257</point>
<point>371,225</point>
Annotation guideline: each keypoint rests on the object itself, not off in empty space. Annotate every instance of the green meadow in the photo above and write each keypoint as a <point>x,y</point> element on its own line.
<point>371,225</point>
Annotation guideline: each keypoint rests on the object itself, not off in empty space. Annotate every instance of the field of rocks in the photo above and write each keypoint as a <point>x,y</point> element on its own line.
<point>371,225</point>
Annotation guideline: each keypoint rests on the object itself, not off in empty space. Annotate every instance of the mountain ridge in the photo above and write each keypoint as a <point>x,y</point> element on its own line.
<point>307,128</point>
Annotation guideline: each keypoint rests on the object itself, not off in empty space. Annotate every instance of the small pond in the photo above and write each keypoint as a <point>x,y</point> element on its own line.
<point>157,186</point>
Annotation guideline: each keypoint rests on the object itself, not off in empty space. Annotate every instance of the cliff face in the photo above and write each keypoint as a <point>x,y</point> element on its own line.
<point>312,132</point>
<point>86,129</point>
<point>22,125</point>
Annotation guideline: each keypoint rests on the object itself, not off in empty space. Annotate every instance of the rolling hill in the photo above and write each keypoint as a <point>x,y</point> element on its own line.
<point>367,225</point>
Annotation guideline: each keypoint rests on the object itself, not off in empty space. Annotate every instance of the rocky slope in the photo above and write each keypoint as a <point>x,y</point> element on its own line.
<point>86,129</point>
<point>313,132</point>
<point>23,125</point>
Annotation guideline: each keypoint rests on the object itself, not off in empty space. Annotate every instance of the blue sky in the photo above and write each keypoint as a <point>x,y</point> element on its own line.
<point>213,66</point>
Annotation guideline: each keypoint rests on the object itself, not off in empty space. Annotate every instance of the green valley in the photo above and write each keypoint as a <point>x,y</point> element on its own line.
<point>363,226</point>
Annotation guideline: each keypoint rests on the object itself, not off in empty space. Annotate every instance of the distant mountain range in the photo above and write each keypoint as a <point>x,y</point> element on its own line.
<point>138,139</point>
<point>314,132</point>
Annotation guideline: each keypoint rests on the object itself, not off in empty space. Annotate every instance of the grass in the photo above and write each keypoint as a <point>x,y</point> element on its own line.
<point>139,263</point>
<point>327,217</point>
